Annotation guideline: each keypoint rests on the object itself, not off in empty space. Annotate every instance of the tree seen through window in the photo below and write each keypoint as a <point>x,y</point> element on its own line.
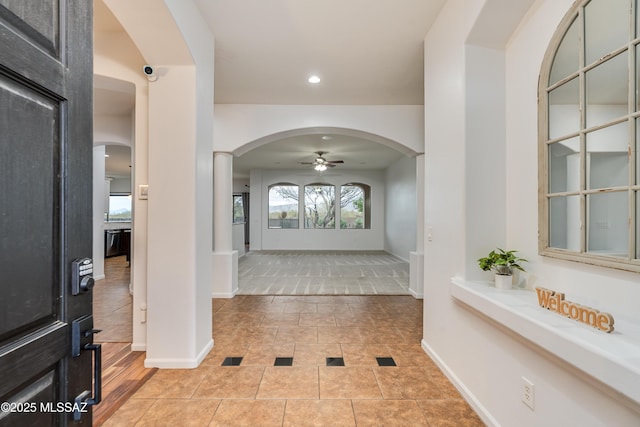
<point>319,206</point>
<point>283,206</point>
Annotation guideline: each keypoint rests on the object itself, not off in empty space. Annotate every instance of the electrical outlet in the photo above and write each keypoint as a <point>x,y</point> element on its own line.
<point>528,393</point>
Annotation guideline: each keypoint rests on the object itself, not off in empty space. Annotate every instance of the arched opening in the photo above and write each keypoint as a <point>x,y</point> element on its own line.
<point>379,174</point>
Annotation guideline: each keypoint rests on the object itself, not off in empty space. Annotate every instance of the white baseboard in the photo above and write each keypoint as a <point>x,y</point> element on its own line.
<point>415,294</point>
<point>482,412</point>
<point>99,277</point>
<point>203,353</point>
<point>179,363</point>
<point>224,294</point>
<point>138,346</point>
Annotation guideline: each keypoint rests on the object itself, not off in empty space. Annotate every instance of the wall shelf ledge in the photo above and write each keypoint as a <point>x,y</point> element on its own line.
<point>611,358</point>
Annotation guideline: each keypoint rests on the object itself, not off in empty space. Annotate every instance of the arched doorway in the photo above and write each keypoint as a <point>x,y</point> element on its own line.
<point>385,168</point>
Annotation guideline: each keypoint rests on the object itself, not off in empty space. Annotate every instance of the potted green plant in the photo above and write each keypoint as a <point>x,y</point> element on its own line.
<point>502,262</point>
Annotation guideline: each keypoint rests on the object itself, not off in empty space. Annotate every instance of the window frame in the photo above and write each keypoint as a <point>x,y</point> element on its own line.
<point>297,210</point>
<point>304,206</point>
<point>234,218</point>
<point>366,194</point>
<point>128,196</point>
<point>632,118</point>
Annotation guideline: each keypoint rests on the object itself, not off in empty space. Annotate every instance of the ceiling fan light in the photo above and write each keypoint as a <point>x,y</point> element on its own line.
<point>320,168</point>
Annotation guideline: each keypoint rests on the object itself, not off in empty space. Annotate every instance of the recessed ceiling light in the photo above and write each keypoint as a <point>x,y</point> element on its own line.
<point>327,138</point>
<point>314,79</point>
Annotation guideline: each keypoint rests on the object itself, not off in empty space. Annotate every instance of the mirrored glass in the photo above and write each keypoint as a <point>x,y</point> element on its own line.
<point>606,26</point>
<point>567,58</point>
<point>564,222</point>
<point>564,166</point>
<point>607,157</point>
<point>607,91</point>
<point>564,109</point>
<point>608,223</point>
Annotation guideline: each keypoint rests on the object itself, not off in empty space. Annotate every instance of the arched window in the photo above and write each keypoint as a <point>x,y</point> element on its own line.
<point>319,206</point>
<point>355,206</point>
<point>589,112</point>
<point>283,205</point>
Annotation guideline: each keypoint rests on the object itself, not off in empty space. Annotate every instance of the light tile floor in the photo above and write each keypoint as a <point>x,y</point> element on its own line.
<point>309,393</point>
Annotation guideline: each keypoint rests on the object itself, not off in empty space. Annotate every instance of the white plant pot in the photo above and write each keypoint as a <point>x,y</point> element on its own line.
<point>504,282</point>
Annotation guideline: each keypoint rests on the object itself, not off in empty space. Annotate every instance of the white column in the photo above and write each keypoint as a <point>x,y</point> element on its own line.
<point>171,227</point>
<point>416,259</point>
<point>225,259</point>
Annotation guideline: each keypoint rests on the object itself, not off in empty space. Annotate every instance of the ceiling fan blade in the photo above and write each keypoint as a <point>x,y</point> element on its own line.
<point>335,161</point>
<point>307,163</point>
<point>329,165</point>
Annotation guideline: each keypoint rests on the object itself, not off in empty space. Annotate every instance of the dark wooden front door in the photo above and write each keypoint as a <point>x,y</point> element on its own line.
<point>45,212</point>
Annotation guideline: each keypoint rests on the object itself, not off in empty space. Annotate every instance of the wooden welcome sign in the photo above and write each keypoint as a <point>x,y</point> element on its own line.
<point>554,301</point>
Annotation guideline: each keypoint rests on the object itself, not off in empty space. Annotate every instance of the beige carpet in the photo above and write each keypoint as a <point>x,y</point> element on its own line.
<point>322,273</point>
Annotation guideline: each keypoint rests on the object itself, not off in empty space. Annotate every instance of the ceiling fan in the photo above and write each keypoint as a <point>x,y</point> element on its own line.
<point>321,164</point>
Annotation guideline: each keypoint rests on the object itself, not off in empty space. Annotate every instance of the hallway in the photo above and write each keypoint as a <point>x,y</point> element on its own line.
<point>332,355</point>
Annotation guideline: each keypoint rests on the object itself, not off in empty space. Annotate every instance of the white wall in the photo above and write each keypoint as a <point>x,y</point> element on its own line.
<point>238,238</point>
<point>178,43</point>
<point>120,185</point>
<point>400,208</point>
<point>485,360</point>
<point>263,238</point>
<point>239,128</point>
<point>200,42</point>
<point>112,129</point>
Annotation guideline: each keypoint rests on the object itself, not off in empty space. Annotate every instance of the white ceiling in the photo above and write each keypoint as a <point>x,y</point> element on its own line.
<point>287,153</point>
<point>366,53</point>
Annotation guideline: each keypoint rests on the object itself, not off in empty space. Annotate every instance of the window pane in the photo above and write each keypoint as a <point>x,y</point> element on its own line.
<point>283,206</point>
<point>566,61</point>
<point>319,206</point>
<point>608,230</point>
<point>637,150</point>
<point>607,157</point>
<point>606,27</point>
<point>607,91</point>
<point>352,206</point>
<point>564,166</point>
<point>637,197</point>
<point>238,209</point>
<point>564,222</point>
<point>564,109</point>
<point>637,77</point>
<point>119,208</point>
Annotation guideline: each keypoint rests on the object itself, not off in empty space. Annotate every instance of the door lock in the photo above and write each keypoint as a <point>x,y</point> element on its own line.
<point>81,276</point>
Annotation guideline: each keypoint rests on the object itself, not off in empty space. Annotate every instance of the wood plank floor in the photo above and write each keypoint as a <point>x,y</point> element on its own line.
<point>123,373</point>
